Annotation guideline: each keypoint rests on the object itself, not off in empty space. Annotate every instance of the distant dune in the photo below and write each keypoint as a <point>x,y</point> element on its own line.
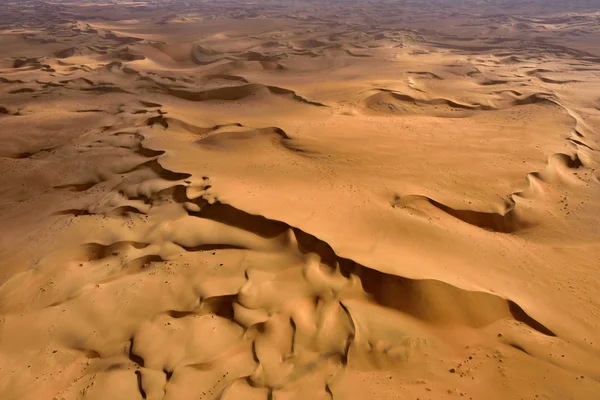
<point>299,200</point>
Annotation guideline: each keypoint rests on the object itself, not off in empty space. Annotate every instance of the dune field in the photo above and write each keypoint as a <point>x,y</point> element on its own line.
<point>290,200</point>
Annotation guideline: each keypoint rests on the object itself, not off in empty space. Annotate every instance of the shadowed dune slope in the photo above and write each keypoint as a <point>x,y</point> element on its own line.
<point>304,200</point>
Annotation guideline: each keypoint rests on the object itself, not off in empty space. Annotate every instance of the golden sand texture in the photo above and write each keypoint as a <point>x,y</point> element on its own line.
<point>299,200</point>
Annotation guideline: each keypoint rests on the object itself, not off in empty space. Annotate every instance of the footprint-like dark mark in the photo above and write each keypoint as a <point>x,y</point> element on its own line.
<point>138,375</point>
<point>350,338</point>
<point>74,212</point>
<point>221,306</point>
<point>89,111</point>
<point>160,171</point>
<point>168,374</point>
<point>293,341</point>
<point>328,391</point>
<point>516,346</point>
<point>492,82</point>
<point>571,161</point>
<point>179,314</point>
<point>146,152</point>
<point>28,154</point>
<point>134,357</point>
<point>158,120</point>
<point>23,90</point>
<point>21,62</point>
<point>212,247</point>
<point>149,104</point>
<point>580,143</point>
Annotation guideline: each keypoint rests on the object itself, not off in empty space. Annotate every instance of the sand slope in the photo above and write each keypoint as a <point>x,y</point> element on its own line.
<point>299,201</point>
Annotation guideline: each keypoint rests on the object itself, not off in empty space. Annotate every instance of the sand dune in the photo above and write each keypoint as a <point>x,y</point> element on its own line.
<point>299,200</point>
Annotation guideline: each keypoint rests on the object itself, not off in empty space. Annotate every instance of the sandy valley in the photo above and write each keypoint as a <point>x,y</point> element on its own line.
<point>299,200</point>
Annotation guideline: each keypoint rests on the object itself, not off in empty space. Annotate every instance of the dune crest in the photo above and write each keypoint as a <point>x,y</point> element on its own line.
<point>305,200</point>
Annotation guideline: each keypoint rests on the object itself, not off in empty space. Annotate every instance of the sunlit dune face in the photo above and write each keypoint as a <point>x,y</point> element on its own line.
<point>313,200</point>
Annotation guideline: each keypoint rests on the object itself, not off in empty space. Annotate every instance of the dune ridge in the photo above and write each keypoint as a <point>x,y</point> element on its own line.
<point>304,200</point>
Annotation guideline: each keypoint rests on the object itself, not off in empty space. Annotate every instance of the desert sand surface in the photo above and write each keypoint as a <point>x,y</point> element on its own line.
<point>288,200</point>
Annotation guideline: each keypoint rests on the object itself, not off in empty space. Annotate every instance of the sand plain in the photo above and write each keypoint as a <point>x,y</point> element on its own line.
<point>299,200</point>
